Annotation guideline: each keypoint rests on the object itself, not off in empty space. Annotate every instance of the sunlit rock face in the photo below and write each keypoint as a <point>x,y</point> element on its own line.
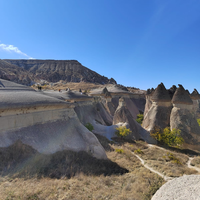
<point>43,122</point>
<point>183,118</point>
<point>110,96</point>
<point>148,103</point>
<point>184,187</point>
<point>123,115</point>
<point>158,115</point>
<point>195,96</point>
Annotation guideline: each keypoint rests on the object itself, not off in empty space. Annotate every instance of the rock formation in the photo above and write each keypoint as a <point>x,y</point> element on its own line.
<point>182,188</point>
<point>50,70</point>
<point>159,113</point>
<point>123,115</point>
<point>195,96</point>
<point>45,123</point>
<point>182,117</point>
<point>148,103</point>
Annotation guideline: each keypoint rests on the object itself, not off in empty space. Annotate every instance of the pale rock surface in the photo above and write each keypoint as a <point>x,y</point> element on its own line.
<point>186,187</point>
<point>182,117</point>
<point>43,122</point>
<point>123,115</point>
<point>158,115</point>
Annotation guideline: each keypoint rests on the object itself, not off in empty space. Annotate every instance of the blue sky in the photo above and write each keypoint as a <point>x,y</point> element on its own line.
<point>139,43</point>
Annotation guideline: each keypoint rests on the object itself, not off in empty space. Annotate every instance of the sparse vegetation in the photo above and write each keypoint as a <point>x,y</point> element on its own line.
<point>198,121</point>
<point>140,118</point>
<point>168,137</point>
<point>172,158</point>
<point>119,150</point>
<point>122,131</point>
<point>72,175</point>
<point>196,162</point>
<point>89,126</point>
<point>138,151</point>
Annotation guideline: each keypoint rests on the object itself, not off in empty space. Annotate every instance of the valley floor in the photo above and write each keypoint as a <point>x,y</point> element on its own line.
<point>148,166</point>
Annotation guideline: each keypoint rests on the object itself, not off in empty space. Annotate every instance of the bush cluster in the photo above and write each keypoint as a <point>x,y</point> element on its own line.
<point>168,137</point>
<point>198,120</point>
<point>119,150</point>
<point>122,131</point>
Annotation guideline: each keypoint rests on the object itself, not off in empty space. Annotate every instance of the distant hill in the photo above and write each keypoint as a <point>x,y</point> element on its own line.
<point>27,71</point>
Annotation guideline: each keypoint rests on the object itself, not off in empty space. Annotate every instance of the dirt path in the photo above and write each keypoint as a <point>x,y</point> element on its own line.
<point>188,162</point>
<point>190,166</point>
<point>166,178</point>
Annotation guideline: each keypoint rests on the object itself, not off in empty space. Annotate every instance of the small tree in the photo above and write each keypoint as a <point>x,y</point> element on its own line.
<point>89,126</point>
<point>140,118</point>
<point>198,121</point>
<point>166,136</point>
<point>122,131</point>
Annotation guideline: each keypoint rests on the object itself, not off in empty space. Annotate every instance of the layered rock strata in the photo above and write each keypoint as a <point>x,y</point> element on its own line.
<point>195,96</point>
<point>45,123</point>
<point>182,117</point>
<point>123,115</point>
<point>158,115</point>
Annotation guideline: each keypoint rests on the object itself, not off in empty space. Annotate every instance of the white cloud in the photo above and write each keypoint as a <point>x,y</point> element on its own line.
<point>14,49</point>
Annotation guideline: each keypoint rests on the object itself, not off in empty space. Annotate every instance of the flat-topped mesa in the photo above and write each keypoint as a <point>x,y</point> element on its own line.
<point>181,99</point>
<point>161,96</point>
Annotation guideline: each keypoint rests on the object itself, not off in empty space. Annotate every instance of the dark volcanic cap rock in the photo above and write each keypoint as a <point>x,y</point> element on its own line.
<point>161,94</point>
<point>195,95</point>
<point>172,90</point>
<point>181,96</point>
<point>150,91</point>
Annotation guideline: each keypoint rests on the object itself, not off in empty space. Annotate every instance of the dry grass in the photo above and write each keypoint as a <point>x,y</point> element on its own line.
<point>167,162</point>
<point>139,183</point>
<point>123,177</point>
<point>73,86</point>
<point>196,162</point>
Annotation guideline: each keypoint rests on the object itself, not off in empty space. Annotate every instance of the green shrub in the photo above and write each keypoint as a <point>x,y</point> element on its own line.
<point>173,158</point>
<point>122,131</point>
<point>89,126</point>
<point>138,151</point>
<point>166,136</point>
<point>198,120</point>
<point>140,118</point>
<point>119,150</point>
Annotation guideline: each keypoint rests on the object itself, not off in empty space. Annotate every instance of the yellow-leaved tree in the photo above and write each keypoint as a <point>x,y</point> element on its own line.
<point>167,136</point>
<point>122,131</point>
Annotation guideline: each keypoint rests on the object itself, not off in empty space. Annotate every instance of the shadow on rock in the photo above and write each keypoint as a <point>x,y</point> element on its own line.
<point>20,160</point>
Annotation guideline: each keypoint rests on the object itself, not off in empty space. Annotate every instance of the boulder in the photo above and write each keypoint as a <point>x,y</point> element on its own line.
<point>186,187</point>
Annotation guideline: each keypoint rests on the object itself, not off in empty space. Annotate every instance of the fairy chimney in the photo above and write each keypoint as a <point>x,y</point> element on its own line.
<point>181,99</point>
<point>158,115</point>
